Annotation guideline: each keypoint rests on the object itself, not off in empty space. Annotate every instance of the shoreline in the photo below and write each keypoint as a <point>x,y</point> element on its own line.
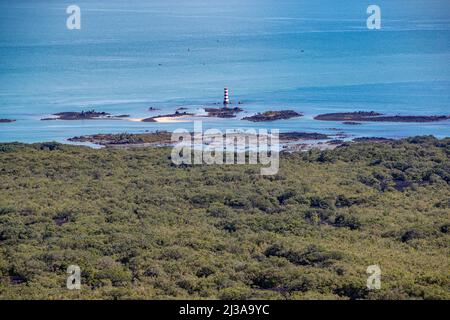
<point>173,119</point>
<point>162,139</point>
<point>344,126</point>
<point>355,117</point>
<point>289,141</point>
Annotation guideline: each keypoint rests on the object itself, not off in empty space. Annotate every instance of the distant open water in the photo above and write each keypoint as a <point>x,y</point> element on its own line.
<point>310,56</point>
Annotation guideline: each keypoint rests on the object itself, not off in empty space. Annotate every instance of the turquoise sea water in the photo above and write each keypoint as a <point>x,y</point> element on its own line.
<point>311,56</point>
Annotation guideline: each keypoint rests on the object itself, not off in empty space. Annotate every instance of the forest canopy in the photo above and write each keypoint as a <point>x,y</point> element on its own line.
<point>140,227</point>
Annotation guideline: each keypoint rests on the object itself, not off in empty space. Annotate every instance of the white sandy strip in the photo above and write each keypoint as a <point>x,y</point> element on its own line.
<point>172,119</point>
<point>161,119</point>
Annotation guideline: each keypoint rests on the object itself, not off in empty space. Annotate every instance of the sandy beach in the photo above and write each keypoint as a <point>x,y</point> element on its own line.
<point>173,119</point>
<point>163,119</point>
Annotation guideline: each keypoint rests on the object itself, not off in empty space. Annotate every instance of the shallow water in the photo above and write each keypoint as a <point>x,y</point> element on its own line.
<point>310,56</point>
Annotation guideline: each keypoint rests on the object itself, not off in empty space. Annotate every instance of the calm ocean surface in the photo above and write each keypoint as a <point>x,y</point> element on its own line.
<point>310,56</point>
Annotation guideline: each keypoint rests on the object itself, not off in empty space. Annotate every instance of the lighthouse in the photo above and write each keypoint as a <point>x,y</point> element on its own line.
<point>226,98</point>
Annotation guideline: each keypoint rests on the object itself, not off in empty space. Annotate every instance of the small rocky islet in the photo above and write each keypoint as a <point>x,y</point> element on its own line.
<point>352,123</point>
<point>273,115</point>
<point>370,116</point>
<point>177,114</point>
<point>224,112</point>
<point>293,136</point>
<point>85,115</point>
<point>7,120</point>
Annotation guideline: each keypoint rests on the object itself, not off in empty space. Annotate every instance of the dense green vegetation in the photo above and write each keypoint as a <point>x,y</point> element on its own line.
<point>140,227</point>
<point>159,137</point>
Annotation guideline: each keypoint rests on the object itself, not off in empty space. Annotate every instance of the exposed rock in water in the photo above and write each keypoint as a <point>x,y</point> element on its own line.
<point>347,116</point>
<point>223,112</point>
<point>410,118</point>
<point>303,136</point>
<point>85,115</point>
<point>7,120</point>
<point>273,115</point>
<point>152,119</point>
<point>351,123</point>
<point>350,117</point>
<point>173,115</point>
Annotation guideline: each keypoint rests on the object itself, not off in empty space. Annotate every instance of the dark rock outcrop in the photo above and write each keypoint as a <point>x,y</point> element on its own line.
<point>273,115</point>
<point>85,115</point>
<point>350,117</point>
<point>302,136</point>
<point>7,120</point>
<point>223,112</point>
<point>173,115</point>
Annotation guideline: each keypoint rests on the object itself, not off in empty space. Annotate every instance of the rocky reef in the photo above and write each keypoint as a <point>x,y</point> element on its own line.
<point>223,112</point>
<point>85,115</point>
<point>173,115</point>
<point>294,136</point>
<point>273,115</point>
<point>350,117</point>
<point>7,120</point>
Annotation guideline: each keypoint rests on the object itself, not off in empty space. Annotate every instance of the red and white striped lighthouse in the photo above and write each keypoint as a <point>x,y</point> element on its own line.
<point>226,98</point>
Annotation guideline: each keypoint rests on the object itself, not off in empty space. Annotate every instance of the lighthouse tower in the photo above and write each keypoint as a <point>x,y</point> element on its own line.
<point>226,99</point>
